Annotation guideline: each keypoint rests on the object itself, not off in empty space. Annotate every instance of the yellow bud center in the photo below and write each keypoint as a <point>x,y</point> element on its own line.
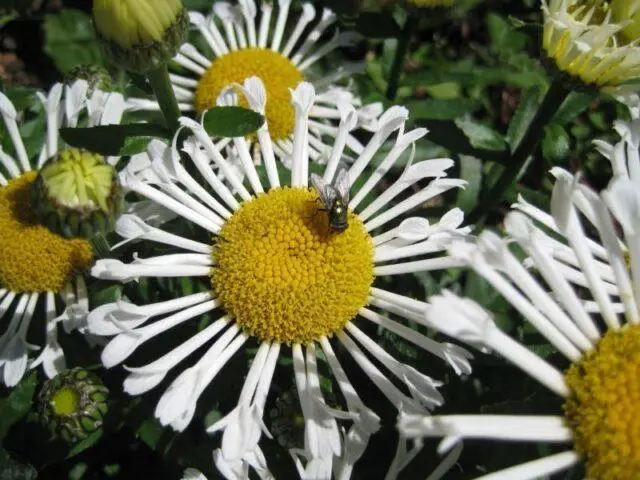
<point>79,179</point>
<point>130,23</point>
<point>603,408</point>
<point>65,402</point>
<point>283,276</point>
<point>32,258</point>
<point>276,72</point>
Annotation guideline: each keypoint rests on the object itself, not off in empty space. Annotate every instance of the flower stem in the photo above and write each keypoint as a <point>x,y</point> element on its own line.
<point>161,85</point>
<point>552,100</point>
<point>410,25</point>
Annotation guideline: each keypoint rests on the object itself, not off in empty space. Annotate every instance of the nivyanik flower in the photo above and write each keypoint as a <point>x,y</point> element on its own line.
<point>583,298</point>
<point>593,41</point>
<point>40,270</point>
<point>243,43</point>
<point>281,278</point>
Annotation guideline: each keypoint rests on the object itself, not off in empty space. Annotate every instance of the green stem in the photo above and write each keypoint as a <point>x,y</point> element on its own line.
<point>552,100</point>
<point>161,85</point>
<point>410,25</point>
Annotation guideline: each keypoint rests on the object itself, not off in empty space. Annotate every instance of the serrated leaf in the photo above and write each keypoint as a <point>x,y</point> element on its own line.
<point>480,136</point>
<point>556,143</point>
<point>377,25</point>
<point>231,121</point>
<point>522,117</point>
<point>70,40</point>
<point>17,404</point>
<point>471,171</point>
<point>113,139</point>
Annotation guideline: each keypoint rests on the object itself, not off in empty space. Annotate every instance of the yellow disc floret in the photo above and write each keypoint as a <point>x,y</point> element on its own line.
<point>283,276</point>
<point>32,258</point>
<point>275,70</point>
<point>603,408</point>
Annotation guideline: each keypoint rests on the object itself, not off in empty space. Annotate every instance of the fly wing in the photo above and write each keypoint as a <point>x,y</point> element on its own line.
<point>341,183</point>
<point>325,191</point>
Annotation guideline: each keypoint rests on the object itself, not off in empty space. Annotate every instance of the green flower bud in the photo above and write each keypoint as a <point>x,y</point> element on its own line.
<point>77,194</point>
<point>73,404</point>
<point>140,35</point>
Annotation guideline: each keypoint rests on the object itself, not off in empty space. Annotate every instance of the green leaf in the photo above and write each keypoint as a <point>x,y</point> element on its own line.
<point>231,121</point>
<point>17,404</point>
<point>86,443</point>
<point>522,117</point>
<point>70,40</point>
<point>377,25</point>
<point>471,171</point>
<point>479,135</point>
<point>438,109</point>
<point>573,105</point>
<point>114,139</point>
<point>448,135</point>
<point>556,143</point>
<point>11,469</point>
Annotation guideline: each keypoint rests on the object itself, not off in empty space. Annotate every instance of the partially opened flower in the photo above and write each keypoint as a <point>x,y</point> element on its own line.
<point>239,42</point>
<point>582,296</point>
<point>594,41</point>
<point>282,277</point>
<point>70,190</point>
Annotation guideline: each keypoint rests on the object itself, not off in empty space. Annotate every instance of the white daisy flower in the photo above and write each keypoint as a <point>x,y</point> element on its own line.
<point>282,278</point>
<point>594,41</point>
<point>583,298</point>
<point>41,271</point>
<point>245,40</point>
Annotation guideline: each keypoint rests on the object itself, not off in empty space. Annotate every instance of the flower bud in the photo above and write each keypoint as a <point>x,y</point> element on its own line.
<point>140,35</point>
<point>73,404</point>
<point>77,194</point>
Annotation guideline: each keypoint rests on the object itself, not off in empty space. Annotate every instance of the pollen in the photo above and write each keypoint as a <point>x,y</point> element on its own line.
<point>32,258</point>
<point>283,275</point>
<point>276,72</point>
<point>603,408</point>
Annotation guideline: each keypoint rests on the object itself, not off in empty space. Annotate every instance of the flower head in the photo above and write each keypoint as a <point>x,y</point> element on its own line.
<point>250,39</point>
<point>593,41</point>
<point>35,262</point>
<point>583,298</point>
<point>281,277</point>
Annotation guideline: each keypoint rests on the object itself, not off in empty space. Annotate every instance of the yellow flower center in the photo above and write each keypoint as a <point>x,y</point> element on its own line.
<point>283,276</point>
<point>79,179</point>
<point>32,258</point>
<point>603,408</point>
<point>276,72</point>
<point>65,402</point>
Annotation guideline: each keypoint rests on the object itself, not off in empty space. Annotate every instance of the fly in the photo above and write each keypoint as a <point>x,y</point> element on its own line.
<point>334,197</point>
